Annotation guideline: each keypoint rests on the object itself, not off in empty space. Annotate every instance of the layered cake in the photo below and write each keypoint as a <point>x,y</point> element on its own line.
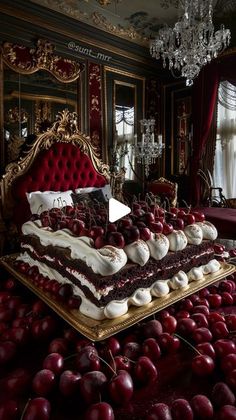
<point>126,263</point>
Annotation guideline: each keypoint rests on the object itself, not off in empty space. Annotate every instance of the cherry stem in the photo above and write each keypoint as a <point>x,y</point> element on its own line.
<point>64,207</point>
<point>187,342</point>
<point>188,207</point>
<point>113,360</point>
<point>40,207</point>
<point>168,203</point>
<point>107,221</point>
<point>24,410</point>
<point>59,202</point>
<point>90,218</point>
<point>70,357</point>
<point>104,361</point>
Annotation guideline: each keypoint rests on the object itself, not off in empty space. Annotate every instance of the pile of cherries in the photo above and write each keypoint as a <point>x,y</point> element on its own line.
<point>50,371</point>
<point>62,293</point>
<point>145,218</point>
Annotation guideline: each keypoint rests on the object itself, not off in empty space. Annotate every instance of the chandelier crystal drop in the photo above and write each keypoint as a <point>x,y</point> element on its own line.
<point>192,42</point>
<point>147,150</point>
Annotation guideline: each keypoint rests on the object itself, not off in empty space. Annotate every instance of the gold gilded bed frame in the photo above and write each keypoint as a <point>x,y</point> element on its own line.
<point>64,129</point>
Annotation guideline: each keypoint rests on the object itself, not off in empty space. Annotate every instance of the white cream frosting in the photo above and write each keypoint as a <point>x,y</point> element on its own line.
<point>196,273</point>
<point>160,288</point>
<point>209,231</point>
<point>179,280</point>
<point>138,252</point>
<point>194,234</point>
<point>117,308</point>
<point>212,267</point>
<point>105,261</point>
<point>158,245</point>
<point>140,297</point>
<point>177,240</point>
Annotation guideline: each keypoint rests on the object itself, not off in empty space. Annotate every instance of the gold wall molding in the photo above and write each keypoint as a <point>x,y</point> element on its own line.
<point>45,98</point>
<point>67,32</point>
<point>70,8</point>
<point>128,33</point>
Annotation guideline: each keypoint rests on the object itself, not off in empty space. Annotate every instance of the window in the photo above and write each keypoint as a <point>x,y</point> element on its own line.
<point>125,139</point>
<point>224,173</point>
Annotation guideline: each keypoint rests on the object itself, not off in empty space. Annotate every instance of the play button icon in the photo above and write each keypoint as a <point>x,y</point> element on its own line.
<point>117,210</point>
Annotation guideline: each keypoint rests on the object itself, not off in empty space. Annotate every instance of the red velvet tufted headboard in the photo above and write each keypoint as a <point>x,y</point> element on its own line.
<point>61,159</point>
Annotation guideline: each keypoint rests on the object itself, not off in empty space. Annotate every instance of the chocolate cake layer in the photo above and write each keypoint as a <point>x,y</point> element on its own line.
<point>131,277</point>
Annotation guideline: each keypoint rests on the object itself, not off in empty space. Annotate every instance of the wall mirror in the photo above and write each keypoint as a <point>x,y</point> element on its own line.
<point>36,85</point>
<point>124,95</point>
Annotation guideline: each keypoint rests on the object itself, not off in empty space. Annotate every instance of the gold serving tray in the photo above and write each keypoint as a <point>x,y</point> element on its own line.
<point>99,330</point>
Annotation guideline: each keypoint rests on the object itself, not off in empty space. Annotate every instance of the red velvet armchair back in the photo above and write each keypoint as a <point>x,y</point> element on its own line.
<point>164,189</point>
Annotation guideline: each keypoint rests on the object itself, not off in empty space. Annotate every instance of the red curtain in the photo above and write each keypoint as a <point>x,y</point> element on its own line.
<point>204,100</point>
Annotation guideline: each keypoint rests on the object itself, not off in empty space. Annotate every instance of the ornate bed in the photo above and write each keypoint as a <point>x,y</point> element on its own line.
<point>60,159</point>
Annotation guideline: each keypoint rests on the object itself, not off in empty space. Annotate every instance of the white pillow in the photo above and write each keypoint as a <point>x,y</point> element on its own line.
<point>106,190</point>
<point>40,201</point>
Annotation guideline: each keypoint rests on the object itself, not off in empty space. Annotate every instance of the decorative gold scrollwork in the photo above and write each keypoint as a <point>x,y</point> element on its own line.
<point>27,60</point>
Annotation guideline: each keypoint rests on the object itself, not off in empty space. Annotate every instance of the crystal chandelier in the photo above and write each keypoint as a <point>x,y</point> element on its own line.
<point>191,43</point>
<point>147,150</point>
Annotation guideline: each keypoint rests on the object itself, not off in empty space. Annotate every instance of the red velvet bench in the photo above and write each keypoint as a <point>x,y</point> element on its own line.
<point>224,220</point>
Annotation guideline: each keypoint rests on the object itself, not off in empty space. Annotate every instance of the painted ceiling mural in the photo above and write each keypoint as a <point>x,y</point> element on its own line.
<point>135,20</point>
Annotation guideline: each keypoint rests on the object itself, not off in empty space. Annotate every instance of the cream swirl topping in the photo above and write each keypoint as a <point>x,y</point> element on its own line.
<point>177,240</point>
<point>179,280</point>
<point>209,231</point>
<point>158,245</point>
<point>160,288</point>
<point>194,234</point>
<point>105,261</point>
<point>196,273</point>
<point>212,267</point>
<point>138,252</point>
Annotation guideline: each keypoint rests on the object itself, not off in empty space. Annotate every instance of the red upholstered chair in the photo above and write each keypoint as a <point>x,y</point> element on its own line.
<point>164,189</point>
